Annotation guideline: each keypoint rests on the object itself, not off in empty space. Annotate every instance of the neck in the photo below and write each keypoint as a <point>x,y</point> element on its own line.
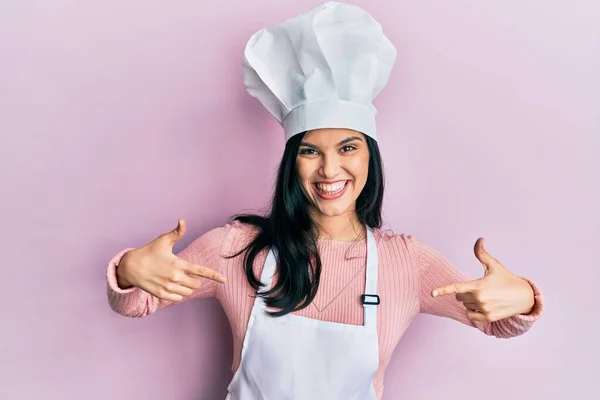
<point>345,227</point>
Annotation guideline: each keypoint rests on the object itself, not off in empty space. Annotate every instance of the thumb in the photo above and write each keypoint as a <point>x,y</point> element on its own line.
<point>489,262</point>
<point>177,233</point>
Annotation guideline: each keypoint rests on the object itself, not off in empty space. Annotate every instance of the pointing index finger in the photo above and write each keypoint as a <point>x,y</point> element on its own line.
<point>454,288</point>
<point>205,272</point>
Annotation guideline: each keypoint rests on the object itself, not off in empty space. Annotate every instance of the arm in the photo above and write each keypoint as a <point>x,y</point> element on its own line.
<point>436,271</point>
<point>135,302</point>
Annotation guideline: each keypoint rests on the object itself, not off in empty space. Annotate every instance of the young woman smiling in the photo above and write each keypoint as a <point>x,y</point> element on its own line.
<point>317,294</point>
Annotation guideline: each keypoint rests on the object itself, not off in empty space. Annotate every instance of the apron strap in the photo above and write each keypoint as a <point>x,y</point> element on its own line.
<point>370,299</point>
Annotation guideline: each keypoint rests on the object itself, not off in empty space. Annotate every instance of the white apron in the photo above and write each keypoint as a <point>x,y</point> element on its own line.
<point>298,358</point>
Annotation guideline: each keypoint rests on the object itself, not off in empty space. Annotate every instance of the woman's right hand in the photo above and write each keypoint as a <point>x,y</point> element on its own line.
<point>155,269</point>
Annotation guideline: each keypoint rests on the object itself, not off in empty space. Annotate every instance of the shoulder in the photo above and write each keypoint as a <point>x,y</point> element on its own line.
<point>397,242</point>
<point>239,236</point>
<point>397,255</point>
<point>403,247</point>
<point>397,249</point>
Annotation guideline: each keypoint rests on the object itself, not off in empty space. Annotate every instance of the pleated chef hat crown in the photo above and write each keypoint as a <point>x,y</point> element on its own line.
<point>320,69</point>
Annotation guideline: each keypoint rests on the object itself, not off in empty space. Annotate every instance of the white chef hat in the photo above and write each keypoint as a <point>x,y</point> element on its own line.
<point>320,69</point>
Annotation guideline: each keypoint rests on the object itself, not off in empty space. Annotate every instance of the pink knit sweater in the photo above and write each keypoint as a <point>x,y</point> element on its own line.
<point>408,272</point>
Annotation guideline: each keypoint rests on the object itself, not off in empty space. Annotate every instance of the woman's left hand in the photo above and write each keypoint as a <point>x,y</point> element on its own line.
<point>497,295</point>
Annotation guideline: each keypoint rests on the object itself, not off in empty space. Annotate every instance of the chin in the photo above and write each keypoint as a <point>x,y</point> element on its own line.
<point>333,210</point>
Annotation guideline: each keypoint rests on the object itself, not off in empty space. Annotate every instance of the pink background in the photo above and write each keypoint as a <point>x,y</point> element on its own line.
<point>118,117</point>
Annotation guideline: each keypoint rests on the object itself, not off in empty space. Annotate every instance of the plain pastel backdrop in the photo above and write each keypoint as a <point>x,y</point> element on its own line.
<point>118,117</point>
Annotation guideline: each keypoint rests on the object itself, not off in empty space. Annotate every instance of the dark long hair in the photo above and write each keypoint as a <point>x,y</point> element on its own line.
<point>289,229</point>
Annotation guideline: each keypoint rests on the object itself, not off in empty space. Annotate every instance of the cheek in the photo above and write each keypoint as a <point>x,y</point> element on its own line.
<point>359,169</point>
<point>304,172</point>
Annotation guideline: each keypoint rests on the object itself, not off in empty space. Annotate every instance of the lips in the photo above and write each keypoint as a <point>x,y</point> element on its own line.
<point>331,190</point>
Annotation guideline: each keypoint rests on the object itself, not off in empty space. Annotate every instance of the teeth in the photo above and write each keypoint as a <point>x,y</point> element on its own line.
<point>331,189</point>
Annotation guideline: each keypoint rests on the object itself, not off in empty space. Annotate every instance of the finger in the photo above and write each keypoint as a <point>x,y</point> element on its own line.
<point>177,233</point>
<point>164,294</point>
<point>170,297</point>
<point>195,269</point>
<point>484,257</point>
<point>177,289</point>
<point>478,316</point>
<point>454,288</point>
<point>189,281</point>
<point>472,306</point>
<point>465,297</point>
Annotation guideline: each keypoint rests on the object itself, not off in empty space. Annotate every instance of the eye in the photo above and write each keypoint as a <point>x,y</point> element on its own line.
<point>348,148</point>
<point>307,151</point>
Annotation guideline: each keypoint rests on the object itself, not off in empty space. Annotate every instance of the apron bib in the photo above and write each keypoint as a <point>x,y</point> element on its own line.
<point>298,358</point>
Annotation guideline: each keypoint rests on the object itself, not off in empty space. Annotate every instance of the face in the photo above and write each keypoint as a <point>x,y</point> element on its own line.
<point>332,166</point>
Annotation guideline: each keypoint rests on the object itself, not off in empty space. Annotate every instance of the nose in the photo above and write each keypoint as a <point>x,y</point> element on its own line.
<point>330,166</point>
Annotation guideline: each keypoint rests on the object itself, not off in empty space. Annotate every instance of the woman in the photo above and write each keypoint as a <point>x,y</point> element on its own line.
<point>335,293</point>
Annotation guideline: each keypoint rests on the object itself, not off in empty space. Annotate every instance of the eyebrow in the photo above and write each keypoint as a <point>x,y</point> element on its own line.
<point>343,142</point>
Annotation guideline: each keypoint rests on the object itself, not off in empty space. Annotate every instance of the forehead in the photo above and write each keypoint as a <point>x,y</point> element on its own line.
<point>329,136</point>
